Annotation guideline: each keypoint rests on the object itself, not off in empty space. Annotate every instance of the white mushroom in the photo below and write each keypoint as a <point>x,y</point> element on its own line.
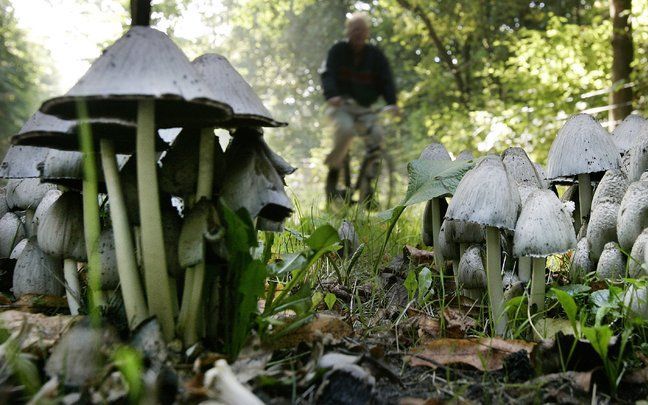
<point>612,264</point>
<point>632,130</point>
<point>581,263</point>
<point>12,231</point>
<point>633,214</point>
<point>37,273</point>
<point>636,261</point>
<point>471,274</point>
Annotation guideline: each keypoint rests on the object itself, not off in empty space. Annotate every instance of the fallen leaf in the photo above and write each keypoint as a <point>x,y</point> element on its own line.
<point>428,327</point>
<point>577,379</point>
<point>485,354</point>
<point>39,303</point>
<point>457,323</point>
<point>324,326</point>
<point>416,256</point>
<point>39,332</point>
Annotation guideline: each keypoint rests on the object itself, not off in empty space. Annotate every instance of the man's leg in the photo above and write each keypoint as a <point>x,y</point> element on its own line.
<point>371,162</point>
<point>343,132</point>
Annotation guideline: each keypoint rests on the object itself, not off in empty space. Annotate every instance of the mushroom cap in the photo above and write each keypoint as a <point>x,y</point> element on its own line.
<point>632,129</point>
<point>43,130</point>
<point>17,250</point>
<point>232,88</point>
<point>602,227</point>
<point>635,161</point>
<point>612,263</point>
<point>435,151</point>
<point>60,232</point>
<point>22,162</point>
<point>472,274</point>
<point>611,188</point>
<point>427,224</point>
<point>581,263</point>
<point>521,168</point>
<point>251,180</point>
<point>542,174</point>
<point>109,274</point>
<point>638,256</point>
<point>464,232</point>
<point>50,197</point>
<point>348,236</point>
<point>544,227</point>
<point>633,214</point>
<point>486,195</point>
<point>36,272</point>
<point>144,64</point>
<point>465,155</point>
<point>26,193</point>
<point>12,231</point>
<point>449,250</point>
<point>581,146</point>
<point>636,299</point>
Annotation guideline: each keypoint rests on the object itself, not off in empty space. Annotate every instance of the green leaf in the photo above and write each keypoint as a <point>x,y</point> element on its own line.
<point>250,288</point>
<point>316,299</point>
<point>433,178</point>
<point>325,236</point>
<point>411,284</point>
<point>574,289</point>
<point>129,363</point>
<point>330,300</point>
<point>600,298</point>
<point>599,337</point>
<point>424,283</point>
<point>239,236</point>
<point>569,305</point>
<point>288,263</point>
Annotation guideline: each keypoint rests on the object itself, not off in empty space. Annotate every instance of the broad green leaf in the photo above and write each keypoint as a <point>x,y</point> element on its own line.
<point>600,298</point>
<point>323,237</point>
<point>411,284</point>
<point>239,236</point>
<point>424,283</point>
<point>599,337</point>
<point>129,363</point>
<point>433,178</point>
<point>569,305</point>
<point>330,300</point>
<point>574,289</point>
<point>316,299</point>
<point>250,288</point>
<point>288,263</point>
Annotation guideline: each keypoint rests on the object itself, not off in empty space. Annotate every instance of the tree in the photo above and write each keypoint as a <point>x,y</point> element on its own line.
<point>622,57</point>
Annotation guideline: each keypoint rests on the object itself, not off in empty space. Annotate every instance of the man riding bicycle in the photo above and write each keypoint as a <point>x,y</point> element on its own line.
<point>355,74</point>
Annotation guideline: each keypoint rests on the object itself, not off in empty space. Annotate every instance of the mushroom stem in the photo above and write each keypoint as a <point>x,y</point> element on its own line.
<point>436,226</point>
<point>158,291</point>
<point>494,280</point>
<point>524,269</point>
<point>195,276</point>
<point>536,301</point>
<point>131,287</point>
<point>584,196</point>
<point>72,285</point>
<point>91,223</point>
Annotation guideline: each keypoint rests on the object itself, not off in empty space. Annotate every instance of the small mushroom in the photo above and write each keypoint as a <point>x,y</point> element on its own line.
<point>37,272</point>
<point>471,273</point>
<point>12,231</point>
<point>349,238</point>
<point>632,218</point>
<point>637,266</point>
<point>636,300</point>
<point>581,263</point>
<point>612,264</point>
<point>602,227</point>
<point>632,130</point>
<point>635,161</point>
<point>50,197</point>
<point>27,193</point>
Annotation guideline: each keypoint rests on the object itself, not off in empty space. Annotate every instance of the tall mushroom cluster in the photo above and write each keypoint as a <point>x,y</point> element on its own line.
<point>97,148</point>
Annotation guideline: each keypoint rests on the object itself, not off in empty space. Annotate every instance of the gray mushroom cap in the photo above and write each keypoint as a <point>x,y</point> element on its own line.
<point>637,258</point>
<point>602,227</point>
<point>636,300</point>
<point>611,188</point>
<point>544,227</point>
<point>486,195</point>
<point>581,263</point>
<point>633,214</point>
<point>50,197</point>
<point>520,168</point>
<point>464,232</point>
<point>472,274</point>
<point>612,263</point>
<point>542,174</point>
<point>109,273</point>
<point>37,272</point>
<point>581,146</point>
<point>632,130</point>
<point>348,237</point>
<point>465,155</point>
<point>26,193</point>
<point>4,208</point>
<point>232,88</point>
<point>635,161</point>
<point>435,151</point>
<point>18,249</point>
<point>144,64</point>
<point>21,162</point>
<point>449,250</point>
<point>12,231</point>
<point>60,232</point>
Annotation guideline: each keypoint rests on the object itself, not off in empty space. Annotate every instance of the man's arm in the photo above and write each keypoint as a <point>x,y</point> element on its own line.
<point>388,88</point>
<point>327,74</point>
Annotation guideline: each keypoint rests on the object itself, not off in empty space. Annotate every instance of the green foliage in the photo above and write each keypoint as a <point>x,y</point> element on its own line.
<point>424,285</point>
<point>129,363</point>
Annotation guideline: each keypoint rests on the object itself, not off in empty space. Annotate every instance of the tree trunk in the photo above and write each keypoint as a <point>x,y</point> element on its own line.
<point>622,56</point>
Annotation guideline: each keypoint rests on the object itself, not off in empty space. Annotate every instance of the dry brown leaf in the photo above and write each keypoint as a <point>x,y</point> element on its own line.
<point>457,323</point>
<point>36,303</point>
<point>40,332</point>
<point>323,327</point>
<point>485,354</point>
<point>428,327</point>
<point>417,256</point>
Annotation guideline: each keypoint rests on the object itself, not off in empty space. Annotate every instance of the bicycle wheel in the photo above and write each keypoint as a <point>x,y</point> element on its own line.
<point>376,181</point>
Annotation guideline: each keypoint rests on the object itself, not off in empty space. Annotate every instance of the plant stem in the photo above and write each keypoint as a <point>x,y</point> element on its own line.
<point>158,291</point>
<point>72,285</point>
<point>436,227</point>
<point>494,281</point>
<point>129,279</point>
<point>584,196</point>
<point>524,269</point>
<point>536,301</point>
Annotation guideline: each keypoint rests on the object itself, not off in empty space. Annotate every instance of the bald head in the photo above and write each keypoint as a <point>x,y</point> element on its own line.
<point>357,30</point>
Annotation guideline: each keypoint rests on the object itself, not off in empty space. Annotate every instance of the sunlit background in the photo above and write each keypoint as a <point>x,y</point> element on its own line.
<point>473,74</point>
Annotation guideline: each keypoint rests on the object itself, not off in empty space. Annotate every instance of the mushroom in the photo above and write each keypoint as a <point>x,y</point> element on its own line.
<point>449,250</point>
<point>12,231</point>
<point>612,264</point>
<point>465,155</point>
<point>602,226</point>
<point>581,263</point>
<point>637,260</point>
<point>36,272</point>
<point>435,208</point>
<point>471,274</point>
<point>636,300</point>
<point>50,197</point>
<point>60,234</point>
<point>633,214</point>
<point>348,238</point>
<point>486,195</point>
<point>635,160</point>
<point>543,228</point>
<point>633,129</point>
<point>582,147</point>
<point>26,194</point>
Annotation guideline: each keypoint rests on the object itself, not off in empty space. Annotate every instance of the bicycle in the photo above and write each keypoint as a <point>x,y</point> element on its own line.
<point>375,182</point>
